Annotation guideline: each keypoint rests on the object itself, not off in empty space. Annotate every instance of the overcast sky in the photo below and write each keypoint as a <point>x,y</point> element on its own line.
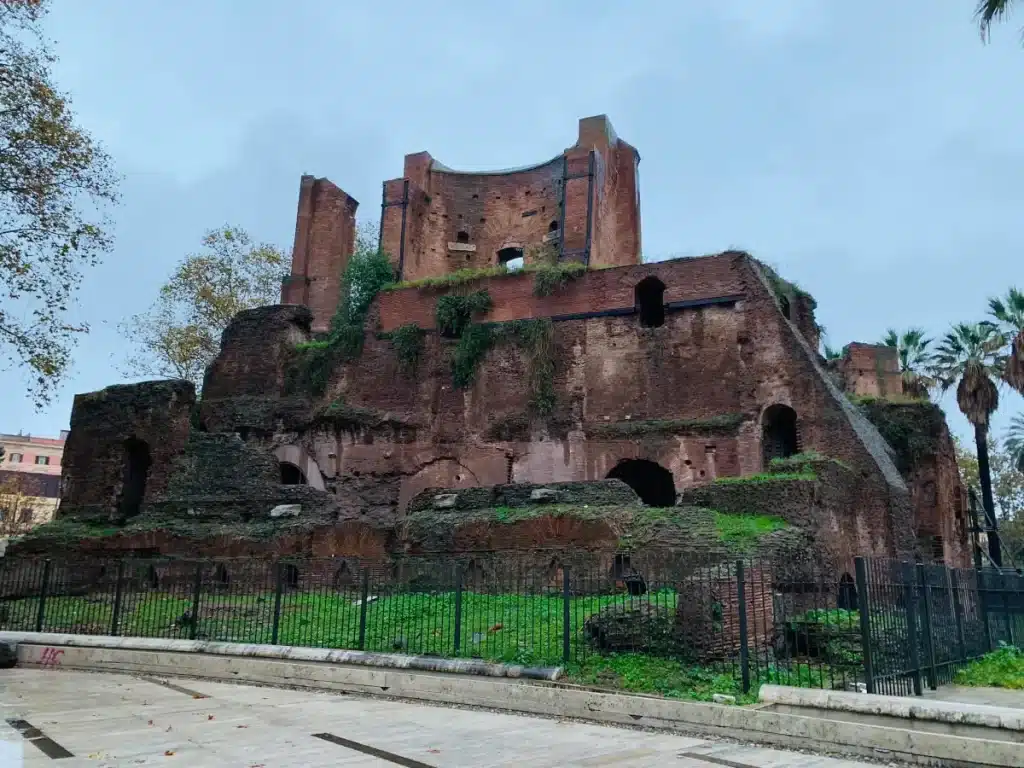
<point>872,151</point>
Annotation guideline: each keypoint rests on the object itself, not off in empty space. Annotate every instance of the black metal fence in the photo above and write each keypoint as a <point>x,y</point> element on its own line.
<point>892,627</point>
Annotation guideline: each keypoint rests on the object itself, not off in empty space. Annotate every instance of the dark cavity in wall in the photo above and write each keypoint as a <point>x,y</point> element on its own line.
<point>652,482</point>
<point>778,433</point>
<point>649,296</point>
<point>291,475</point>
<point>136,471</point>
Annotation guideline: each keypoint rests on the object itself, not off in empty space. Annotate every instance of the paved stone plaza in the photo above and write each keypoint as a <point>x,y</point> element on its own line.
<point>108,720</point>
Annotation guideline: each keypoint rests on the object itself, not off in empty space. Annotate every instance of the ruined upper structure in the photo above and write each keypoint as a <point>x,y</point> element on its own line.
<point>694,381</point>
<point>582,205</point>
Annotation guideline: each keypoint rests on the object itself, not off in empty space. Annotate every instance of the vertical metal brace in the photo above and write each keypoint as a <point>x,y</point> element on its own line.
<point>864,606</point>
<point>741,594</point>
<point>590,205</point>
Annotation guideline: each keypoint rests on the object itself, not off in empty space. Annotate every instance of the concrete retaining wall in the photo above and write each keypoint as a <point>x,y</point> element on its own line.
<point>518,695</point>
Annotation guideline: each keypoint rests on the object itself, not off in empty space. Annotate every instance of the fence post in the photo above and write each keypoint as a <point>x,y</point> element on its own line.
<point>197,594</point>
<point>954,599</point>
<point>741,595</point>
<point>41,614</point>
<point>1005,589</point>
<point>864,608</point>
<point>458,610</point>
<point>983,601</point>
<point>364,598</point>
<point>278,591</point>
<point>115,619</point>
<point>910,614</point>
<point>927,628</point>
<point>566,633</point>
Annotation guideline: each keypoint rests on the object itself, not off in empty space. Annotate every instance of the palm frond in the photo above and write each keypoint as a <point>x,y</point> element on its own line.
<point>1009,310</point>
<point>1014,442</point>
<point>989,12</point>
<point>970,357</point>
<point>1013,370</point>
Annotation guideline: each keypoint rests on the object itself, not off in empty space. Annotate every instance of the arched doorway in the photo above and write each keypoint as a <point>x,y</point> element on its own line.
<point>291,475</point>
<point>649,296</point>
<point>135,474</point>
<point>778,433</point>
<point>652,482</point>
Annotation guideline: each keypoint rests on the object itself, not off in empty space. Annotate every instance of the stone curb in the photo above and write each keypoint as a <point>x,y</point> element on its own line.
<point>288,652</point>
<point>536,698</point>
<point>978,715</point>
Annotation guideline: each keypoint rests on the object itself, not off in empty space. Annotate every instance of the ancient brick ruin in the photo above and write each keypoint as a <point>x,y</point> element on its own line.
<point>596,392</point>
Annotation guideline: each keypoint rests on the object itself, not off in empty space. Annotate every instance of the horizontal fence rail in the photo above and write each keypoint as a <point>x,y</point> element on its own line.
<point>888,627</point>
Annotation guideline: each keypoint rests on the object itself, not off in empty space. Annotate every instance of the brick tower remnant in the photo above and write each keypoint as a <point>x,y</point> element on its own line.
<point>325,233</point>
<point>582,205</point>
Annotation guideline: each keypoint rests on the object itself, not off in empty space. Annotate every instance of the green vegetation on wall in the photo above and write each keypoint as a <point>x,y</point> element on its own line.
<point>551,278</point>
<point>783,287</point>
<point>912,428</point>
<point>366,274</point>
<point>774,477</point>
<point>407,341</point>
<point>454,313</point>
<point>723,424</point>
<point>742,532</point>
<point>548,277</point>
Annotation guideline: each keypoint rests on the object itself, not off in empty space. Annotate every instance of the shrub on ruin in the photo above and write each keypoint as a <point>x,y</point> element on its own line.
<point>551,278</point>
<point>453,313</point>
<point>407,341</point>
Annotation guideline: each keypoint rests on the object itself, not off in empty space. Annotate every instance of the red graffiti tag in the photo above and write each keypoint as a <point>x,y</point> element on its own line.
<point>51,657</point>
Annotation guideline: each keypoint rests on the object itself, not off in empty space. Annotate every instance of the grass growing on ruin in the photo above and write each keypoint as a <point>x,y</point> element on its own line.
<point>725,423</point>
<point>547,278</point>
<point>773,477</point>
<point>1000,669</point>
<point>742,532</point>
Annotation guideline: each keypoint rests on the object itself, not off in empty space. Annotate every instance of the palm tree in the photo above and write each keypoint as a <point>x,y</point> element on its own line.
<point>969,356</point>
<point>990,11</point>
<point>1009,311</point>
<point>1015,441</point>
<point>915,359</point>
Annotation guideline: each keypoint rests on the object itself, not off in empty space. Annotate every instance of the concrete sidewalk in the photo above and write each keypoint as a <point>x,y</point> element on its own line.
<point>991,697</point>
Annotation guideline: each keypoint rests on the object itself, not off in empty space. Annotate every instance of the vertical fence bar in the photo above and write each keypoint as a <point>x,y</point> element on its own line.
<point>457,639</point>
<point>566,633</point>
<point>741,597</point>
<point>927,626</point>
<point>983,600</point>
<point>910,615</point>
<point>954,598</point>
<point>41,613</point>
<point>197,595</point>
<point>278,591</point>
<point>115,617</point>
<point>364,597</point>
<point>1005,589</point>
<point>864,604</point>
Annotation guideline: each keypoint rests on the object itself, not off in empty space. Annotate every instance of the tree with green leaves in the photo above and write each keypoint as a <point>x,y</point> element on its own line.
<point>969,357</point>
<point>914,350</point>
<point>1007,490</point>
<point>1015,441</point>
<point>56,185</point>
<point>179,335</point>
<point>1009,314</point>
<point>989,12</point>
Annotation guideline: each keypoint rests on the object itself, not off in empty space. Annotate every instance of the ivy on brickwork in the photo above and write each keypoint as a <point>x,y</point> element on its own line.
<point>913,428</point>
<point>367,273</point>
<point>548,277</point>
<point>407,341</point>
<point>723,424</point>
<point>551,278</point>
<point>784,288</point>
<point>534,337</point>
<point>454,313</point>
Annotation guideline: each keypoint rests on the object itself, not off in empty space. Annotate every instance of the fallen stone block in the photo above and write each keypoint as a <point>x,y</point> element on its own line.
<point>286,510</point>
<point>446,500</point>
<point>544,495</point>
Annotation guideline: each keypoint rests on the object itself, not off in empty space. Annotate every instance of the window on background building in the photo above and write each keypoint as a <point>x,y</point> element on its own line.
<point>16,458</point>
<point>42,459</point>
<point>25,516</point>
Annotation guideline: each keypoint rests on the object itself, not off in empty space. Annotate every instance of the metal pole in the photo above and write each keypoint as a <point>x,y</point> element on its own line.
<point>954,598</point>
<point>41,614</point>
<point>922,579</point>
<point>566,633</point>
<point>741,594</point>
<point>362,608</point>
<point>458,610</point>
<point>115,619</point>
<point>864,604</point>
<point>197,595</point>
<point>278,590</point>
<point>910,615</point>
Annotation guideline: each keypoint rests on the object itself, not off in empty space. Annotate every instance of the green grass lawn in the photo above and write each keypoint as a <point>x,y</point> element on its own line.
<point>1000,669</point>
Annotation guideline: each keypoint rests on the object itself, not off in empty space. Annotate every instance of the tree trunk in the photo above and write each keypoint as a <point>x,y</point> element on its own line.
<point>985,476</point>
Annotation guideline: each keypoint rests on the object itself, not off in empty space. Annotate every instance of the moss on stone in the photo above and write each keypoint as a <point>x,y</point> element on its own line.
<point>767,477</point>
<point>913,429</point>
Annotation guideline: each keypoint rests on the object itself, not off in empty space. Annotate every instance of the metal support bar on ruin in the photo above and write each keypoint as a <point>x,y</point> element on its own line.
<point>741,596</point>
<point>863,604</point>
<point>115,618</point>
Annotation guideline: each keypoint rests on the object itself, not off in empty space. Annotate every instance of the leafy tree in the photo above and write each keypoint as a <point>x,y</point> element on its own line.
<point>831,353</point>
<point>14,505</point>
<point>969,357</point>
<point>180,334</point>
<point>1009,312</point>
<point>913,348</point>
<point>1007,489</point>
<point>1015,441</point>
<point>56,183</point>
<point>990,11</point>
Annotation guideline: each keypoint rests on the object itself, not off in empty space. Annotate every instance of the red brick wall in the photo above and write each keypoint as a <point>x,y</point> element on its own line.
<point>325,230</point>
<point>708,277</point>
<point>871,370</point>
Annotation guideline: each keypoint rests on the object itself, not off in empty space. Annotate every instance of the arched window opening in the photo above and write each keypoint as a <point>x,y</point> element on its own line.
<point>778,433</point>
<point>621,567</point>
<point>652,482</point>
<point>511,258</point>
<point>135,473</point>
<point>555,573</point>
<point>221,576</point>
<point>649,297</point>
<point>553,226</point>
<point>846,599</point>
<point>152,577</point>
<point>462,237</point>
<point>784,304</point>
<point>290,576</point>
<point>291,474</point>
